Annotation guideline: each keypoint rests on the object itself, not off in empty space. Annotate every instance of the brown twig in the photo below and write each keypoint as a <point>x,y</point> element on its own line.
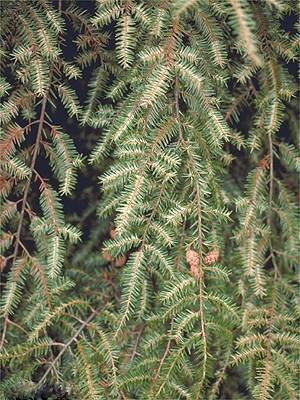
<point>73,338</point>
<point>26,192</point>
<point>134,352</point>
<point>200,239</point>
<point>162,360</point>
<point>27,187</point>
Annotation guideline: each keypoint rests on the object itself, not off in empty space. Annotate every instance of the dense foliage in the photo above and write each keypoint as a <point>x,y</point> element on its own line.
<point>173,275</point>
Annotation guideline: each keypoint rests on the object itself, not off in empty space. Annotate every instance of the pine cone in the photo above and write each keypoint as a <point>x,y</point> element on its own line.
<point>193,259</point>
<point>212,257</point>
<point>121,261</point>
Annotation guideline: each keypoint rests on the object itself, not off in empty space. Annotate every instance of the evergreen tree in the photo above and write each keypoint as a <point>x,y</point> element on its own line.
<point>185,286</point>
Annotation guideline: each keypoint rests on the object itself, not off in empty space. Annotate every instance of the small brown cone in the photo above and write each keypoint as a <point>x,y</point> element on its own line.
<point>121,261</point>
<point>193,259</point>
<point>212,257</point>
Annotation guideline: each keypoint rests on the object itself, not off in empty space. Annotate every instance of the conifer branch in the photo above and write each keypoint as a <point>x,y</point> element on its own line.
<point>24,201</point>
<point>192,106</point>
<point>199,225</point>
<point>66,346</point>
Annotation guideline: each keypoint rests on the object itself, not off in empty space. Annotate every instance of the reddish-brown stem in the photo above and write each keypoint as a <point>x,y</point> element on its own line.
<point>134,352</point>
<point>27,187</point>
<point>66,346</point>
<point>26,192</point>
